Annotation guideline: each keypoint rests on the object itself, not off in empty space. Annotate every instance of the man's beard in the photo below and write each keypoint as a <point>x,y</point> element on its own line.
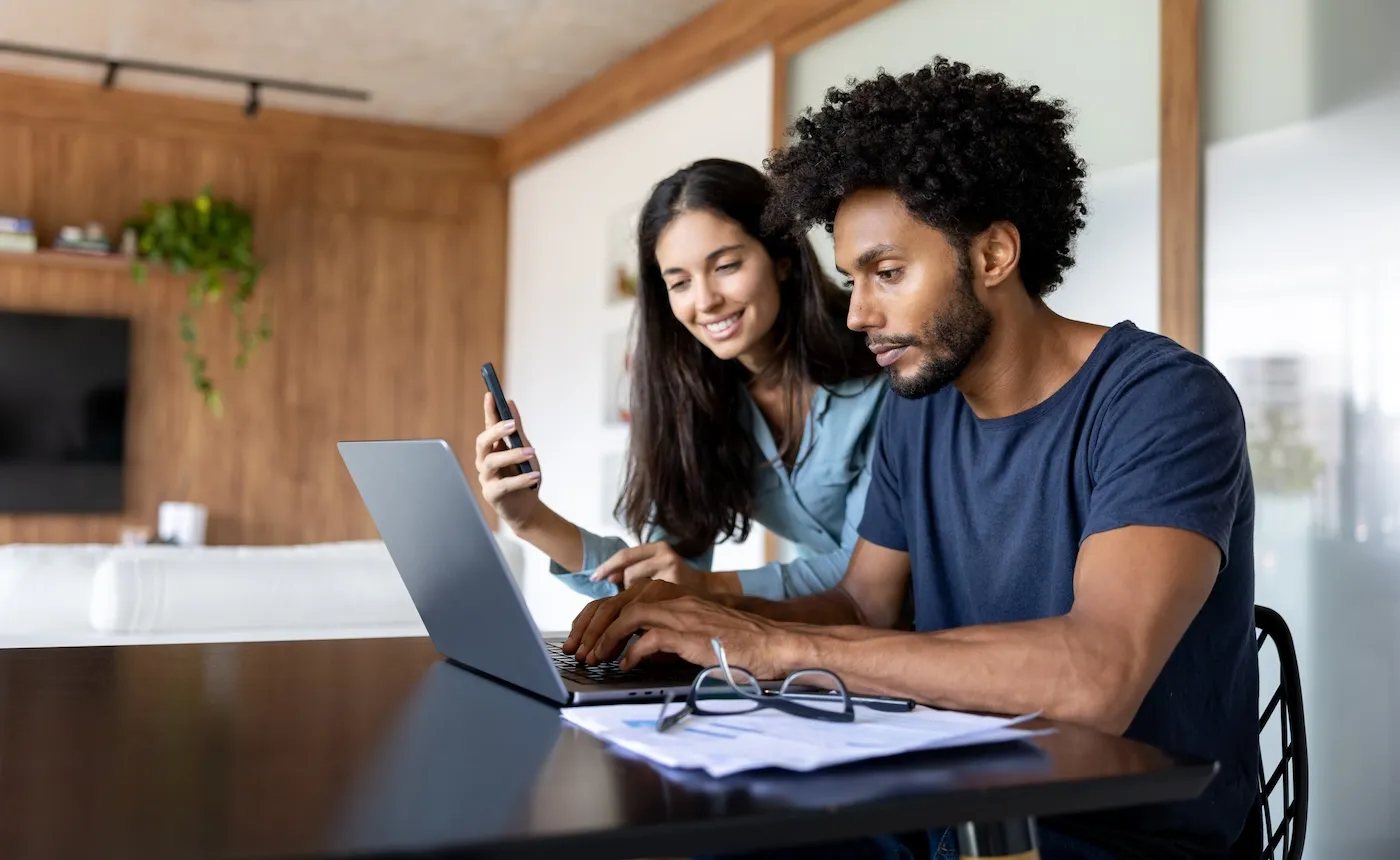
<point>949,342</point>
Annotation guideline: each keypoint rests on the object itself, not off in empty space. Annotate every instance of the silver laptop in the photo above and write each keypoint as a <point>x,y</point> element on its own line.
<point>434,530</point>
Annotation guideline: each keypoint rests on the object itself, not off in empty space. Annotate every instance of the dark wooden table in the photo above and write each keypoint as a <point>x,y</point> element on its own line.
<point>378,748</point>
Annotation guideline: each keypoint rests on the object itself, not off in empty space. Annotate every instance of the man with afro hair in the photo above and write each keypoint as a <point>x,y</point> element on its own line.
<point>1069,504</point>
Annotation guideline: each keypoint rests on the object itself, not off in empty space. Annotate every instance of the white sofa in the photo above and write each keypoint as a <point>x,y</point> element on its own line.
<point>97,594</point>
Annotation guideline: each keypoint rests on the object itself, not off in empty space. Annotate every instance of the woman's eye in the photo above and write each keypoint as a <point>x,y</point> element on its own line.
<point>889,276</point>
<point>678,285</point>
<point>728,267</point>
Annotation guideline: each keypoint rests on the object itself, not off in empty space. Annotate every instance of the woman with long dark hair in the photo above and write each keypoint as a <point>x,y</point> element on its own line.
<point>751,402</point>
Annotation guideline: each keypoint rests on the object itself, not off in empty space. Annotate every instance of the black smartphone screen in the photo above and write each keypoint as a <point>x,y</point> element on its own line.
<point>493,384</point>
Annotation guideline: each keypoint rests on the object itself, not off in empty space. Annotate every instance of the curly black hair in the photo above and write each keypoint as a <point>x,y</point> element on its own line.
<point>962,149</point>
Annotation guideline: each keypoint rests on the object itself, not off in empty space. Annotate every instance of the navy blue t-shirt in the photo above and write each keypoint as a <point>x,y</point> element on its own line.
<point>992,513</point>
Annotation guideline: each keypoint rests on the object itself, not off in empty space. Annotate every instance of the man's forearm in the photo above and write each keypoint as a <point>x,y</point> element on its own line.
<point>832,607</point>
<point>1054,666</point>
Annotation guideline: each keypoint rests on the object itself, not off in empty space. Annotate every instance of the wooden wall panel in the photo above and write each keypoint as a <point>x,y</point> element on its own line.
<point>62,104</point>
<point>1181,215</point>
<point>385,285</point>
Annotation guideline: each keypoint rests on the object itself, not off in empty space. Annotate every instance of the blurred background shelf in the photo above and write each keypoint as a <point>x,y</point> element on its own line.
<point>69,259</point>
<point>48,257</point>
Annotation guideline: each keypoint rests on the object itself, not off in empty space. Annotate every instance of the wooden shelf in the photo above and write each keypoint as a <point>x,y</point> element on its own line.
<point>50,257</point>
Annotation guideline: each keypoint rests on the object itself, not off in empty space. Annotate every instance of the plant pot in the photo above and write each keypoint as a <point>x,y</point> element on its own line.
<point>182,523</point>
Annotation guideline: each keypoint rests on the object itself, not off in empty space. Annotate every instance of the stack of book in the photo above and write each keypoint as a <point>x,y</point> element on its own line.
<point>74,240</point>
<point>17,235</point>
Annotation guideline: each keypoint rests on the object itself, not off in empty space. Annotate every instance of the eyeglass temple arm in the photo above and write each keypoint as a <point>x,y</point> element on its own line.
<point>797,709</point>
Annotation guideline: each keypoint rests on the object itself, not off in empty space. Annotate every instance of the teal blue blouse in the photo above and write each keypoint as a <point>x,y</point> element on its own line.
<point>817,506</point>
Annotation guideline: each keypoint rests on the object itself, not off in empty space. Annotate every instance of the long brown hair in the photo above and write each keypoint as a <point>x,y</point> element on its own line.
<point>691,460</point>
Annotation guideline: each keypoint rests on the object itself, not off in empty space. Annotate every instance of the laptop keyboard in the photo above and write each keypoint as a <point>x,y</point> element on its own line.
<point>610,672</point>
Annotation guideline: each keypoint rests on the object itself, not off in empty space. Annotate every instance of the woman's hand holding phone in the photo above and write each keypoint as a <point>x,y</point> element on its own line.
<point>514,496</point>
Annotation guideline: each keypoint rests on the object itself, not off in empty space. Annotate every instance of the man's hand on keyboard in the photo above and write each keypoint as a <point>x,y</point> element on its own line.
<point>599,615</point>
<point>767,649</point>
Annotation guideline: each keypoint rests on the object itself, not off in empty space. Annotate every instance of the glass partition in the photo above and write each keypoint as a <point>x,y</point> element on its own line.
<point>1302,309</point>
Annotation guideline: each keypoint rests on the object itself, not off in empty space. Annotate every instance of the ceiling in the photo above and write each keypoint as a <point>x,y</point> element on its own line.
<point>470,65</point>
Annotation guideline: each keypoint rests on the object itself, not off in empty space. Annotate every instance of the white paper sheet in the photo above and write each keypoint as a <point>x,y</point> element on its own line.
<point>769,738</point>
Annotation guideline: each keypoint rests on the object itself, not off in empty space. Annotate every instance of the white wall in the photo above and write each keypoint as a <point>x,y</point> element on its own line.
<point>558,316</point>
<point>1101,56</point>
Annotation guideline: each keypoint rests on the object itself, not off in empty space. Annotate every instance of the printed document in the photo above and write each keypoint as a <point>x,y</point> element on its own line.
<point>723,745</point>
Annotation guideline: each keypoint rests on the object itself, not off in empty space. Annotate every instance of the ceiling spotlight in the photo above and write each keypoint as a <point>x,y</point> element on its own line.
<point>116,65</point>
<point>251,108</point>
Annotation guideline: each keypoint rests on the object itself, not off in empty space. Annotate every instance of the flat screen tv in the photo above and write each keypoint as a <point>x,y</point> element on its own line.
<point>63,393</point>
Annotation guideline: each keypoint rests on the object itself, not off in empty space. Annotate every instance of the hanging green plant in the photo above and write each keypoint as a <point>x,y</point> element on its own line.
<point>212,238</point>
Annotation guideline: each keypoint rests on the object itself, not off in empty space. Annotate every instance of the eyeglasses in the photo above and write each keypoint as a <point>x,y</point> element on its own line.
<point>722,690</point>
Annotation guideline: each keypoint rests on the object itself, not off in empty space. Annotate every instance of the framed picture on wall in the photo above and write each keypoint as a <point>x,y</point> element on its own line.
<point>617,357</point>
<point>622,253</point>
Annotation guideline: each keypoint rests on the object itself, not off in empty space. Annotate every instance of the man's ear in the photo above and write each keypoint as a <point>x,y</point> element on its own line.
<point>995,253</point>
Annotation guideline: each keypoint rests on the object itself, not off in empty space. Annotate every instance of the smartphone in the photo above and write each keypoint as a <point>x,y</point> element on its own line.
<point>493,384</point>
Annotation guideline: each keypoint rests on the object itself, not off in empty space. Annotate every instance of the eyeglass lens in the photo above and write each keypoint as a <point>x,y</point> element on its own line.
<point>819,690</point>
<point>714,695</point>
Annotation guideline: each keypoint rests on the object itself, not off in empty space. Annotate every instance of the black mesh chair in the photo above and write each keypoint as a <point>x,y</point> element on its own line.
<point>1290,775</point>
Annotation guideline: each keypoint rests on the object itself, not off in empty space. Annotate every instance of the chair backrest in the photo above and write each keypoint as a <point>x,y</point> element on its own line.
<point>1290,775</point>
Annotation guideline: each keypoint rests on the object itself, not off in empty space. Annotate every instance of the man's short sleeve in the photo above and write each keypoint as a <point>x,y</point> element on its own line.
<point>883,521</point>
<point>1170,451</point>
